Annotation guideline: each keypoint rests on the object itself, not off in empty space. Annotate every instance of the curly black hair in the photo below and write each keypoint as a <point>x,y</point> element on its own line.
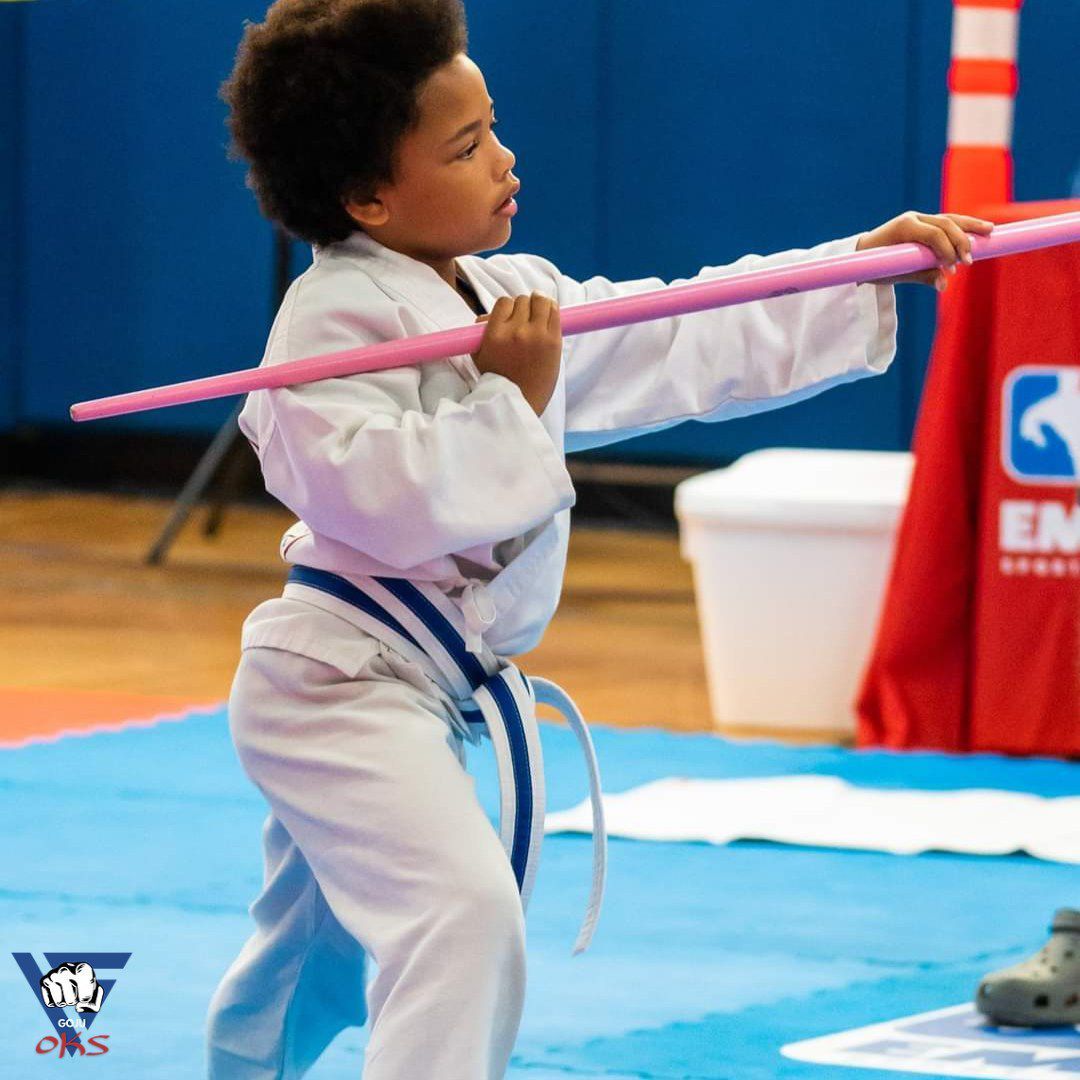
<point>321,93</point>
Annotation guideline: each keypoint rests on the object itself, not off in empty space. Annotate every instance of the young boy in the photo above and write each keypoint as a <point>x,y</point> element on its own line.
<point>436,496</point>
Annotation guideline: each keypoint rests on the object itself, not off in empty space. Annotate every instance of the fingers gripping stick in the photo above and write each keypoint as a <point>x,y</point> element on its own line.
<point>523,342</point>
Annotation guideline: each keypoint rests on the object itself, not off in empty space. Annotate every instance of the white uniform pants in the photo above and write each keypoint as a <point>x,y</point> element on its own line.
<point>375,842</point>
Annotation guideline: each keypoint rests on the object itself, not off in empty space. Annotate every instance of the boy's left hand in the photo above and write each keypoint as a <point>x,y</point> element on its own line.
<point>945,234</point>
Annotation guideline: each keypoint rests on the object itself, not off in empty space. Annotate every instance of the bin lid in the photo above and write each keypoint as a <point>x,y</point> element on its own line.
<point>785,488</point>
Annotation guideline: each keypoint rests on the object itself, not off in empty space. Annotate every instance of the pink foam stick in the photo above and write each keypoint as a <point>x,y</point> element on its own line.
<point>861,266</point>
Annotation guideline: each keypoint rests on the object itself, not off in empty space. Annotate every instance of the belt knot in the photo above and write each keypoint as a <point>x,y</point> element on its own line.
<point>479,612</point>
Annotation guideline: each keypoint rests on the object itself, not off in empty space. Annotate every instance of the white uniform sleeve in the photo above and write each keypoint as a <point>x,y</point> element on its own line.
<point>360,462</point>
<point>723,363</point>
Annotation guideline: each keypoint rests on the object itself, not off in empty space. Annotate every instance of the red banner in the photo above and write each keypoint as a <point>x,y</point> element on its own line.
<point>978,647</point>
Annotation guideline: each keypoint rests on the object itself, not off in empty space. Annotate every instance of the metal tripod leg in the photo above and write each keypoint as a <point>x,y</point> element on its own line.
<point>196,486</point>
<point>239,463</point>
<point>228,439</point>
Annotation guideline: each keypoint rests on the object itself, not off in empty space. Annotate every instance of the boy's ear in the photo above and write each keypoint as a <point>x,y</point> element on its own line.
<point>365,212</point>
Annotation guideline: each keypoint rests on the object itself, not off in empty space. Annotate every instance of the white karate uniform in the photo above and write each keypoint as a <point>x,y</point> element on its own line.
<point>437,473</point>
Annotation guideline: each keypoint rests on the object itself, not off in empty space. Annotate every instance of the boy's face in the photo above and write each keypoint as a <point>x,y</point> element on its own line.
<point>450,181</point>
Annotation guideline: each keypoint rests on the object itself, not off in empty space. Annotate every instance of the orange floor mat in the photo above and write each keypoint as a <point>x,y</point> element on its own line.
<point>30,713</point>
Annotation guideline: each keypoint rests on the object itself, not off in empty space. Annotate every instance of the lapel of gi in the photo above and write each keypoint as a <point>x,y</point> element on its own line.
<point>421,287</point>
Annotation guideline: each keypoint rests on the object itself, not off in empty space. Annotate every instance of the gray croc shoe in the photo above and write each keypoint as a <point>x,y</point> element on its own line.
<point>1043,990</point>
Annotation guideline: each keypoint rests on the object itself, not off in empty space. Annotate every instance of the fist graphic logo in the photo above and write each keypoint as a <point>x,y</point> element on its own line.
<point>72,984</point>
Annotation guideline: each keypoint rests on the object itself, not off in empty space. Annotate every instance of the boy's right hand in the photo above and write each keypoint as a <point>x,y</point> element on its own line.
<point>523,342</point>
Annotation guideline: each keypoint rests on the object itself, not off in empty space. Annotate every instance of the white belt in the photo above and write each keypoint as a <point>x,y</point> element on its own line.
<point>494,697</point>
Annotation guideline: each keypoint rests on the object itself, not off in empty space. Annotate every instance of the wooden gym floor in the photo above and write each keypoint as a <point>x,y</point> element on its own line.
<point>90,634</point>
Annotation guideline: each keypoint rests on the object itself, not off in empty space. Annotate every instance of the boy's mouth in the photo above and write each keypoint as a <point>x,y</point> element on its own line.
<point>508,200</point>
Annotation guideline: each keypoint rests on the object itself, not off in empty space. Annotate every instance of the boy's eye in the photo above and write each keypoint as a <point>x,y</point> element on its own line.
<point>468,152</point>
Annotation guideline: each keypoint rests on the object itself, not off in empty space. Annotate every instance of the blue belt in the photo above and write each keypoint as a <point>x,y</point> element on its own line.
<point>493,697</point>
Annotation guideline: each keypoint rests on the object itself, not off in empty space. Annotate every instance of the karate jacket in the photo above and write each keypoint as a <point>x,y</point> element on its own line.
<point>437,472</point>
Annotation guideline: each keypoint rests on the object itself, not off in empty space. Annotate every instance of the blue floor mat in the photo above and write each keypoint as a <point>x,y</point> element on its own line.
<point>708,959</point>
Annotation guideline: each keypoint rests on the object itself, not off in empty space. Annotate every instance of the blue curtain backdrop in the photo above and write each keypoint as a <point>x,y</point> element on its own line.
<point>651,140</point>
<point>10,257</point>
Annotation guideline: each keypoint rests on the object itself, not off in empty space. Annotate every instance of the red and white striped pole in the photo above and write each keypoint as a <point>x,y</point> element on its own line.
<point>978,165</point>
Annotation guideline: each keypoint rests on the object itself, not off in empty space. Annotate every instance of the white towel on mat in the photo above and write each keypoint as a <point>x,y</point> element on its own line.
<point>825,811</point>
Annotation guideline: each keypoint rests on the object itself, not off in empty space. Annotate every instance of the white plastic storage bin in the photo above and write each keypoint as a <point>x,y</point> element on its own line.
<point>791,550</point>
